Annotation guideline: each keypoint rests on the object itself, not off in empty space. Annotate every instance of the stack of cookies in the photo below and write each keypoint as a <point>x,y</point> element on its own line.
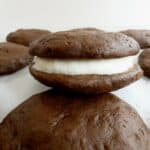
<point>82,66</point>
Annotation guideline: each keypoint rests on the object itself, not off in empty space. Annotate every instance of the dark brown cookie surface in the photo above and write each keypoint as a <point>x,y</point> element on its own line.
<point>25,36</point>
<point>87,29</point>
<point>13,57</point>
<point>141,36</point>
<point>84,43</point>
<point>144,61</point>
<point>55,121</point>
<point>89,84</point>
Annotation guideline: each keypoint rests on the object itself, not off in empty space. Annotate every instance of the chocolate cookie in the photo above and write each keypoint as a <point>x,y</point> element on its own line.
<point>26,36</point>
<point>57,121</point>
<point>13,57</point>
<point>141,36</point>
<point>87,29</point>
<point>82,43</point>
<point>144,61</point>
<point>88,84</point>
<point>86,61</point>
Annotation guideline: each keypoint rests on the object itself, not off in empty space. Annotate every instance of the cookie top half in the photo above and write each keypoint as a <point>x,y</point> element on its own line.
<point>141,36</point>
<point>84,43</point>
<point>25,36</point>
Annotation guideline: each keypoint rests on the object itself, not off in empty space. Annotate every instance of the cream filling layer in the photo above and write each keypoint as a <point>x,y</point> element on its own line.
<point>85,66</point>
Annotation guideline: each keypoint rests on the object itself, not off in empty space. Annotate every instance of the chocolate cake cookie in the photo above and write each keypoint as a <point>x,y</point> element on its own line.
<point>13,57</point>
<point>141,36</point>
<point>144,61</point>
<point>57,121</point>
<point>87,29</point>
<point>26,36</point>
<point>86,61</point>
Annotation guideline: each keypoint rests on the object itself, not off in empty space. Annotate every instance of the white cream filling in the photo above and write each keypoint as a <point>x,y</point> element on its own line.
<point>85,66</point>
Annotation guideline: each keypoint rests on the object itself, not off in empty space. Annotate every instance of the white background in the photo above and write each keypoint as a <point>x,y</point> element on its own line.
<point>111,15</point>
<point>64,14</point>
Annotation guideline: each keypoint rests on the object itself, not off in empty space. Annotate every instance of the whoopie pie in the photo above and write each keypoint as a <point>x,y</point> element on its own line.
<point>86,61</point>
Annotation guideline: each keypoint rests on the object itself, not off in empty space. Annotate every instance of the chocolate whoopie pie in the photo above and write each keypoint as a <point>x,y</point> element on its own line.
<point>13,57</point>
<point>25,36</point>
<point>141,36</point>
<point>54,120</point>
<point>144,61</point>
<point>87,61</point>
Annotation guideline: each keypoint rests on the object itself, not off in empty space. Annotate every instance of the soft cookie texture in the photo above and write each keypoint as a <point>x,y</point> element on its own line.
<point>144,61</point>
<point>13,57</point>
<point>88,84</point>
<point>86,57</point>
<point>57,121</point>
<point>26,36</point>
<point>82,43</point>
<point>141,36</point>
<point>88,29</point>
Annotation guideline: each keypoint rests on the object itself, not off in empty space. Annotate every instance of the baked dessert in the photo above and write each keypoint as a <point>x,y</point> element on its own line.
<point>141,36</point>
<point>13,57</point>
<point>26,36</point>
<point>86,61</point>
<point>144,61</point>
<point>55,120</point>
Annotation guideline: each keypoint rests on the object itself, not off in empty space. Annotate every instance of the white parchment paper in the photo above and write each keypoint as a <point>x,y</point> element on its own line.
<point>17,87</point>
